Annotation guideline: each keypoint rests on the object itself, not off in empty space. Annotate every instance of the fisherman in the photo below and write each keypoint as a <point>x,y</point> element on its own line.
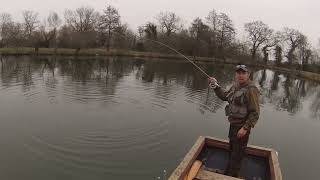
<point>243,113</point>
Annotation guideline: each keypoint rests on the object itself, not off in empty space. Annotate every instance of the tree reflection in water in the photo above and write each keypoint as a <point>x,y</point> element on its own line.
<point>103,74</point>
<point>288,93</point>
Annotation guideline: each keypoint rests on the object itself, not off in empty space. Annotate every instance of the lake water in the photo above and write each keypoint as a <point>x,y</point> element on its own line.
<point>123,118</point>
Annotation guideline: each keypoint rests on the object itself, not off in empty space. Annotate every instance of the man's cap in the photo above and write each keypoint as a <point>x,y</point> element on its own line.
<point>242,67</point>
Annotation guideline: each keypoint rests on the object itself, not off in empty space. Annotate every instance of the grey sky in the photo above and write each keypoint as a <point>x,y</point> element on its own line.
<point>299,14</point>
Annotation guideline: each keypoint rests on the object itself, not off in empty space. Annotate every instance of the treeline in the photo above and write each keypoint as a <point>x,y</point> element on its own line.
<point>212,36</point>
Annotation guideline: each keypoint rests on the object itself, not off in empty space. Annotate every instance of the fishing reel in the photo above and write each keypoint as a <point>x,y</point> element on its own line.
<point>214,84</point>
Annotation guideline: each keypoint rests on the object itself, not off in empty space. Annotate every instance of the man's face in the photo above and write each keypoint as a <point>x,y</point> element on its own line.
<point>242,77</point>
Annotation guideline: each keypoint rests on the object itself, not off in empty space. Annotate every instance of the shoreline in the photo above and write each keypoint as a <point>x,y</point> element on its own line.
<point>103,52</point>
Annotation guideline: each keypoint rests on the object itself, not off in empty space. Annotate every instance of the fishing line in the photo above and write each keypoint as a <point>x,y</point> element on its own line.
<point>171,48</point>
<point>213,83</point>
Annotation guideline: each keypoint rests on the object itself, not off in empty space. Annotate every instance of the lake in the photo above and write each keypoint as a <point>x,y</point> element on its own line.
<point>102,118</point>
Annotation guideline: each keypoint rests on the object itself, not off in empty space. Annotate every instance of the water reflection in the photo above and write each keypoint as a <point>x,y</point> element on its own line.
<point>84,77</point>
<point>287,93</point>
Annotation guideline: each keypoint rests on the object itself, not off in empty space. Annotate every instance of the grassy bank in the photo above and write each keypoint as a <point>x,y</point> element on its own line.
<point>82,52</point>
<point>113,52</point>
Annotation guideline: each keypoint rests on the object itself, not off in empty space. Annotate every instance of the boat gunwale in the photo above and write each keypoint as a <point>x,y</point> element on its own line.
<point>188,160</point>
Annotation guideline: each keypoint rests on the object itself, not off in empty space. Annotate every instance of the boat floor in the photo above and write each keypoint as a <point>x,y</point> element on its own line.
<point>253,167</point>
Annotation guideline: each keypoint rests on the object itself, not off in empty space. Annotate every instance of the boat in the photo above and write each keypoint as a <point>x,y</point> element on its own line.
<point>208,158</point>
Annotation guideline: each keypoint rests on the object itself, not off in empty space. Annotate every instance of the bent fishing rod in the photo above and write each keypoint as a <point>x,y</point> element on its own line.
<point>212,84</point>
<point>185,57</point>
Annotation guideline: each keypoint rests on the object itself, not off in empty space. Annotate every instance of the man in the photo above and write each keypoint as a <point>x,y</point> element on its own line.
<point>243,113</point>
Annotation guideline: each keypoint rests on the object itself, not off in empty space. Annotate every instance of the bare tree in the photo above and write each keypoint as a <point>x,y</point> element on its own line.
<point>241,48</point>
<point>5,18</point>
<point>222,32</point>
<point>213,22</point>
<point>258,33</point>
<point>83,19</point>
<point>226,32</point>
<point>11,33</point>
<point>278,54</point>
<point>304,51</point>
<point>169,22</point>
<point>64,39</point>
<point>54,22</point>
<point>294,39</point>
<point>123,38</point>
<point>140,31</point>
<point>30,22</point>
<point>315,58</point>
<point>316,53</point>
<point>47,32</point>
<point>274,40</point>
<point>5,23</point>
<point>140,43</point>
<point>44,36</point>
<point>151,31</point>
<point>199,31</point>
<point>108,23</point>
<point>83,22</point>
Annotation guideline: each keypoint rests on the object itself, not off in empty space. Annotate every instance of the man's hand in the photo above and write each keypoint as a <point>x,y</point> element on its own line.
<point>213,83</point>
<point>241,133</point>
<point>212,79</point>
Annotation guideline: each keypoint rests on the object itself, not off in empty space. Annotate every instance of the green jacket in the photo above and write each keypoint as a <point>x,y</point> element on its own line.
<point>251,101</point>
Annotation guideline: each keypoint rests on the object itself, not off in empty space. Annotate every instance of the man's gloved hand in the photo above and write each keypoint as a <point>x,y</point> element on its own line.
<point>213,83</point>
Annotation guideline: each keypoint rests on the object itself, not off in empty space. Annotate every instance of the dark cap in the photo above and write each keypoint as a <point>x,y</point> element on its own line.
<point>242,67</point>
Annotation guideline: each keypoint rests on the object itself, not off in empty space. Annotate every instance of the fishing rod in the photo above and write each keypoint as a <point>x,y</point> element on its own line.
<point>185,57</point>
<point>213,82</point>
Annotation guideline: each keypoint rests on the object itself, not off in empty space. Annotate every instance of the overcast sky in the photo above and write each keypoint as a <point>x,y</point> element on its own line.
<point>300,14</point>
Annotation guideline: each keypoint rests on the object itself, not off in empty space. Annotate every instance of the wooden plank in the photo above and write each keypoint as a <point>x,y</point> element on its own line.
<point>272,175</point>
<point>208,175</point>
<point>258,152</point>
<point>275,166</point>
<point>215,142</point>
<point>187,162</point>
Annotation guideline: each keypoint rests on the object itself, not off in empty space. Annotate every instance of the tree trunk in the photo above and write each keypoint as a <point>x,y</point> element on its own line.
<point>221,45</point>
<point>265,54</point>
<point>278,55</point>
<point>109,39</point>
<point>77,51</point>
<point>290,55</point>
<point>36,49</point>
<point>253,54</point>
